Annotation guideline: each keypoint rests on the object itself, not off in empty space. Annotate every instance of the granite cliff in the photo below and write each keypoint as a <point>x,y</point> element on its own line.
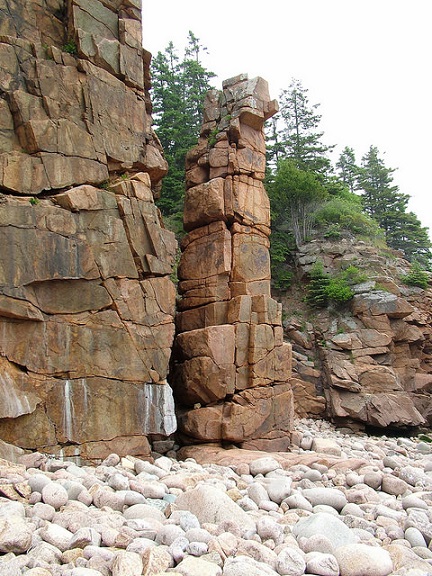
<point>86,301</point>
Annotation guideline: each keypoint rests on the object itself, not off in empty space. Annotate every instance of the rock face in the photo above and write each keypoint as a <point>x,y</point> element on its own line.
<point>232,366</point>
<point>367,363</point>
<point>86,302</point>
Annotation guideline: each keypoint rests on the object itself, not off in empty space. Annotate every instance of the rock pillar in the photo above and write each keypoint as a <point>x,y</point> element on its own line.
<point>232,370</point>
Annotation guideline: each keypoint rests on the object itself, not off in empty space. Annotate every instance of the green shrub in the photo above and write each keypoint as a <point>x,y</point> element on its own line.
<point>70,47</point>
<point>345,213</point>
<point>323,288</point>
<point>281,246</point>
<point>316,295</point>
<point>339,291</point>
<point>416,277</point>
<point>353,275</point>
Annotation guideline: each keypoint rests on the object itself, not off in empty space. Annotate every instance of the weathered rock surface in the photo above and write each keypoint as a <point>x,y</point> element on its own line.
<point>218,514</point>
<point>367,364</point>
<point>232,369</point>
<point>86,302</point>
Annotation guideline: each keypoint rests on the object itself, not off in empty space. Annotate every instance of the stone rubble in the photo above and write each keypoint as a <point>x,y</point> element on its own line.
<point>359,507</point>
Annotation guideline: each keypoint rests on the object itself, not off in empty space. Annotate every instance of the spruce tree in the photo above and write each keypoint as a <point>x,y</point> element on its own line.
<point>383,201</point>
<point>348,170</point>
<point>299,137</point>
<point>179,88</point>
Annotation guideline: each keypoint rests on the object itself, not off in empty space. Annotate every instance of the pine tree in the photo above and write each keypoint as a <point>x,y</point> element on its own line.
<point>179,88</point>
<point>299,138</point>
<point>383,202</point>
<point>294,196</point>
<point>348,170</point>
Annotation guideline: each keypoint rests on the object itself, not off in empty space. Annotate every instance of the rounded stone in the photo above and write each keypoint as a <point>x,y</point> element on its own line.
<point>55,495</point>
<point>328,496</point>
<point>188,521</point>
<point>322,564</point>
<point>373,479</point>
<point>290,562</point>
<point>38,481</point>
<point>267,529</point>
<point>257,493</point>
<point>415,537</point>
<point>168,533</point>
<point>263,465</point>
<point>327,525</point>
<point>363,560</point>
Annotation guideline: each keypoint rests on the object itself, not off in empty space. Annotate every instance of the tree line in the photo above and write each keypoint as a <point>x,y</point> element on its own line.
<point>307,193</point>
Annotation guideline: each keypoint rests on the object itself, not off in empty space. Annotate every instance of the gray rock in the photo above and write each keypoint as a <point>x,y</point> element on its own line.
<point>188,521</point>
<point>322,564</point>
<point>328,496</point>
<point>415,537</point>
<point>38,481</point>
<point>297,500</point>
<point>57,536</point>
<point>373,479</point>
<point>257,493</point>
<point>168,533</point>
<point>413,501</point>
<point>241,565</point>
<point>278,488</point>
<point>290,562</point>
<point>316,543</point>
<point>198,535</point>
<point>118,481</point>
<point>143,511</point>
<point>327,525</point>
<point>15,535</point>
<point>268,528</point>
<point>263,465</point>
<point>212,505</point>
<point>197,548</point>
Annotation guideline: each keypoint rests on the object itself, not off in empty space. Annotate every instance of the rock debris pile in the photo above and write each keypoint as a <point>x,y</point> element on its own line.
<point>339,504</point>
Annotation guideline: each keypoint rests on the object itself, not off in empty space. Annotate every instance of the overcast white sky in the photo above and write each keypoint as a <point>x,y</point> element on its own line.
<point>366,62</point>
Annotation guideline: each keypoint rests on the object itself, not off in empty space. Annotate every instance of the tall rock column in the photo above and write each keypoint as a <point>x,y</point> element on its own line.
<point>232,371</point>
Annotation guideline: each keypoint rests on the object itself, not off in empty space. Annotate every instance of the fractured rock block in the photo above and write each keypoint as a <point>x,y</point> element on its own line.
<point>207,253</point>
<point>204,204</point>
<point>251,259</point>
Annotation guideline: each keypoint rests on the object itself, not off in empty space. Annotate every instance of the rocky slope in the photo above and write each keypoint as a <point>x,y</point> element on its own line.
<point>337,504</point>
<point>368,362</point>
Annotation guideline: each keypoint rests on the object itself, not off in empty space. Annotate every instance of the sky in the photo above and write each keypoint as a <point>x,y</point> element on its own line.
<point>367,63</point>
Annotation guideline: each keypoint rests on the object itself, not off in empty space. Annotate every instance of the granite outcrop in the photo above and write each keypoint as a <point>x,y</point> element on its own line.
<point>86,300</point>
<point>232,365</point>
<point>366,363</point>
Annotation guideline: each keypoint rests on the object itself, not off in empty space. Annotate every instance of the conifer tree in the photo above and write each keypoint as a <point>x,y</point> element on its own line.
<point>179,88</point>
<point>348,170</point>
<point>298,137</point>
<point>383,201</point>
